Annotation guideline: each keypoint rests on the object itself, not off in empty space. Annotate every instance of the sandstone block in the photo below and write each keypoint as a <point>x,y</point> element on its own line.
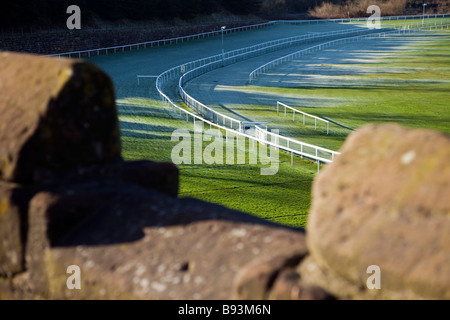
<point>13,223</point>
<point>384,202</point>
<point>147,245</point>
<point>276,279</point>
<point>57,115</point>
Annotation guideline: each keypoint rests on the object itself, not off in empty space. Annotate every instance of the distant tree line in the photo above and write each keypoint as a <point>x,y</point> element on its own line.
<point>47,13</point>
<point>24,13</point>
<point>343,8</point>
<point>53,12</point>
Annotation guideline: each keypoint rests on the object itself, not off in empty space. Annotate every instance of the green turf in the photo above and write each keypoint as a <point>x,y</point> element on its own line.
<point>410,87</point>
<point>408,22</point>
<point>414,22</point>
<point>413,90</point>
<point>147,128</point>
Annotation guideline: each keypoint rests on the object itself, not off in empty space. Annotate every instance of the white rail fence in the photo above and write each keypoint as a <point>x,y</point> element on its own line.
<point>199,67</point>
<point>295,147</point>
<point>193,69</point>
<point>163,42</point>
<point>424,25</point>
<point>292,56</point>
<point>196,68</point>
<point>304,115</point>
<point>383,18</point>
<point>157,43</point>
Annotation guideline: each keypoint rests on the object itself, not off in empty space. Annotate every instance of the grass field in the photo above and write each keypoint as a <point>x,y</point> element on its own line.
<point>406,81</point>
<point>283,197</point>
<point>395,79</point>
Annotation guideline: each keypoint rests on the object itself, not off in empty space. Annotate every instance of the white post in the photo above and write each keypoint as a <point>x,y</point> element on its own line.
<point>423,12</point>
<point>223,50</point>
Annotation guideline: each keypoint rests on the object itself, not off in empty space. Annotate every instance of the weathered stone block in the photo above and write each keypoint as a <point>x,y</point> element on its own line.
<point>57,115</point>
<point>384,201</point>
<point>54,213</point>
<point>13,216</point>
<point>146,245</point>
<point>289,286</point>
<point>160,176</point>
<point>276,279</point>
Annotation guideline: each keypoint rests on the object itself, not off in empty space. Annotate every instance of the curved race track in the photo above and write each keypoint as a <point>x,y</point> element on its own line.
<point>146,124</point>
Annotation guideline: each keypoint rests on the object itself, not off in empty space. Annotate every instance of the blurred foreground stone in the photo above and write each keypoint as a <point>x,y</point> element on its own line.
<point>68,199</point>
<point>56,115</point>
<point>385,202</point>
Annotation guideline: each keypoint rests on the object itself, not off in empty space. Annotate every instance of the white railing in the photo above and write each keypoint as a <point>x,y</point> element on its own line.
<point>304,115</point>
<point>419,16</point>
<point>304,150</point>
<point>196,68</point>
<point>208,115</point>
<point>157,43</point>
<point>163,42</point>
<point>207,112</point>
<point>276,62</point>
<point>383,18</point>
<point>417,24</point>
<point>296,147</point>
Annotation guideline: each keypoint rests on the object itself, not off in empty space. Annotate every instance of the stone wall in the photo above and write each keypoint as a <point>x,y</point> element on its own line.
<point>67,198</point>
